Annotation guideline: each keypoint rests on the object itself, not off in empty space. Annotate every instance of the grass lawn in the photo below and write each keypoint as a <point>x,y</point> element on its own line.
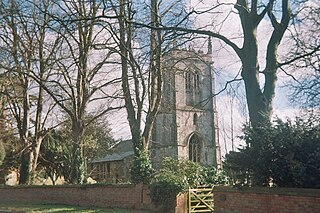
<point>24,207</point>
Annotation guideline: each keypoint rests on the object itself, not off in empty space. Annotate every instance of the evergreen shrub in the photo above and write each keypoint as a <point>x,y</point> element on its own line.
<point>284,154</point>
<point>177,176</point>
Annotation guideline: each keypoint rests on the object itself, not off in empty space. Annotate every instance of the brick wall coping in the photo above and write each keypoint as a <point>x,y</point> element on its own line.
<point>275,190</point>
<point>70,186</point>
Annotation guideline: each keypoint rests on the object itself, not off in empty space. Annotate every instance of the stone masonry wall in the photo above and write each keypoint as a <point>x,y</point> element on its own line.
<point>266,200</point>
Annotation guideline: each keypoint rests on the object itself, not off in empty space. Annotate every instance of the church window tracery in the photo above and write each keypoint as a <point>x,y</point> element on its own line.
<point>192,81</point>
<point>194,149</point>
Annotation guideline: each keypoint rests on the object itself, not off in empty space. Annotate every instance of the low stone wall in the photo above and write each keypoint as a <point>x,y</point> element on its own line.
<point>115,196</point>
<point>266,200</point>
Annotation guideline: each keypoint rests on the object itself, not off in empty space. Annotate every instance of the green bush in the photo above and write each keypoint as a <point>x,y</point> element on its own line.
<point>177,176</point>
<point>213,176</point>
<point>164,192</point>
<point>141,169</point>
<point>285,153</point>
<point>184,172</point>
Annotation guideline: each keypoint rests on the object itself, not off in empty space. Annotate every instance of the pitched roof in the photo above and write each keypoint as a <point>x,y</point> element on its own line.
<point>113,157</point>
<point>120,151</point>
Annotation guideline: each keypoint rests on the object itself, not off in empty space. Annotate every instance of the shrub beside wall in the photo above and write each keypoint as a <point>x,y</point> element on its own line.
<point>286,152</point>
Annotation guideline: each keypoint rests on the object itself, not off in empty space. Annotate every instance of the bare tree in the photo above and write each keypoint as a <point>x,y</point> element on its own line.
<point>259,97</point>
<point>82,81</point>
<point>303,62</point>
<point>23,31</point>
<point>146,89</point>
<point>56,48</point>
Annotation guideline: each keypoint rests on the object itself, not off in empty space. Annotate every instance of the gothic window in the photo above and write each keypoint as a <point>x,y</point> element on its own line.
<point>189,91</point>
<point>196,80</point>
<point>194,149</point>
<point>188,82</point>
<point>192,88</point>
<point>195,119</point>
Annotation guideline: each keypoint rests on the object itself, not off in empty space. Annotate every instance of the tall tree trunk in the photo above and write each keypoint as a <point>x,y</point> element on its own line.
<point>39,131</point>
<point>155,82</point>
<point>38,138</point>
<point>77,170</point>
<point>125,41</point>
<point>141,140</point>
<point>24,138</point>
<point>260,100</point>
<point>145,91</point>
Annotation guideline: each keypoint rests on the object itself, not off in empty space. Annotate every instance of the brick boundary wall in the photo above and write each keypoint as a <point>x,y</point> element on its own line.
<point>114,196</point>
<point>226,199</point>
<point>266,200</point>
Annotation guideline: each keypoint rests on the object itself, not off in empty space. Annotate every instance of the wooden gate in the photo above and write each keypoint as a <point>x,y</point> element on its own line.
<point>201,200</point>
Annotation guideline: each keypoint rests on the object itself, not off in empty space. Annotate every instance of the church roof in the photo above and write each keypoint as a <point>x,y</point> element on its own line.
<point>114,157</point>
<point>119,152</point>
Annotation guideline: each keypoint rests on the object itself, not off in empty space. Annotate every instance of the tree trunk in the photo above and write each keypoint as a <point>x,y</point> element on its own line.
<point>24,138</point>
<point>257,102</point>
<point>260,100</point>
<point>24,167</point>
<point>77,170</point>
<point>155,82</point>
<point>34,156</point>
<point>36,143</point>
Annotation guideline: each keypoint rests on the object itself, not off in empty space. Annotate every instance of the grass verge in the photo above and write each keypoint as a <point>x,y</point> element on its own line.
<point>52,208</point>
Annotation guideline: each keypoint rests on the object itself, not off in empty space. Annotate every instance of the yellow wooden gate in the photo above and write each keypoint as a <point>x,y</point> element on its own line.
<point>201,200</point>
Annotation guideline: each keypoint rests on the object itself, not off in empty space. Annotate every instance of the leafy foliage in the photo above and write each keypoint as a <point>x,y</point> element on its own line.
<point>213,176</point>
<point>180,172</point>
<point>141,169</point>
<point>12,150</point>
<point>163,194</point>
<point>286,153</point>
<point>178,175</point>
<point>58,151</point>
<point>54,155</point>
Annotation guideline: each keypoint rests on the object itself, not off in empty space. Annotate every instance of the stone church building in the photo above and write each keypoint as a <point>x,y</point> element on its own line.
<point>186,126</point>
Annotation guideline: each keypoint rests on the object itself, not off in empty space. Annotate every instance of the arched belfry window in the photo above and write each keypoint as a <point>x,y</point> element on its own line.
<point>192,82</point>
<point>195,119</point>
<point>189,78</point>
<point>194,149</point>
<point>196,80</point>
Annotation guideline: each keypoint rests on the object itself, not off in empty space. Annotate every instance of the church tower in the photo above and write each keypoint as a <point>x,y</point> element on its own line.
<point>186,126</point>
